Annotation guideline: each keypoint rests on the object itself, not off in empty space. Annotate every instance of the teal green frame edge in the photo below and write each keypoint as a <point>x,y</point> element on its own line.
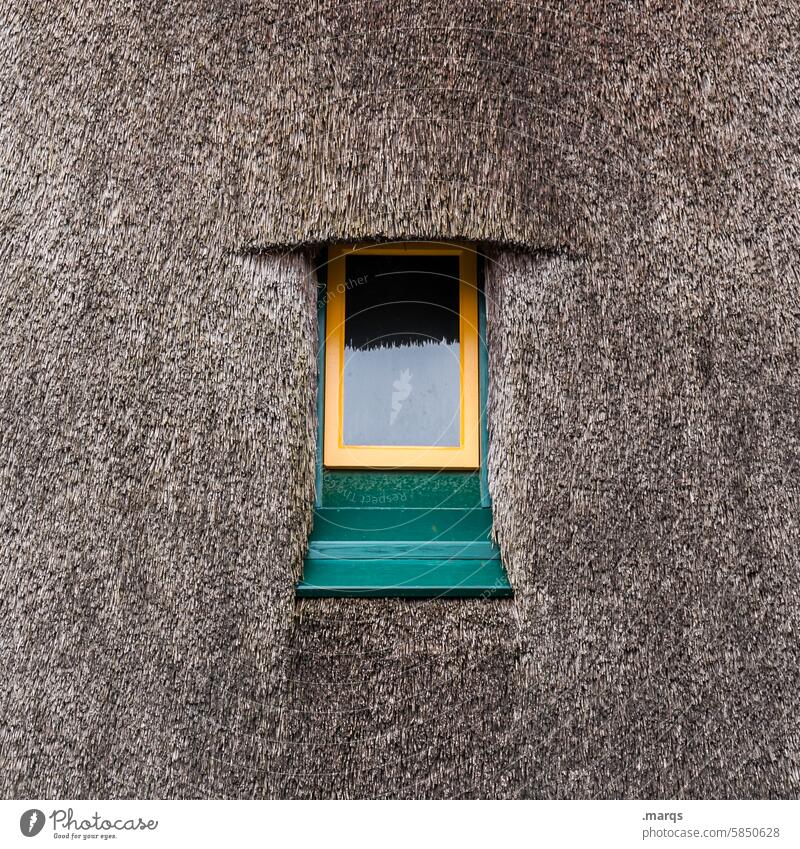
<point>413,579</point>
<point>448,578</point>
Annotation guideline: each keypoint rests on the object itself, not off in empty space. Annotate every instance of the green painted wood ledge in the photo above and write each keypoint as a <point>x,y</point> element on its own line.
<point>414,552</point>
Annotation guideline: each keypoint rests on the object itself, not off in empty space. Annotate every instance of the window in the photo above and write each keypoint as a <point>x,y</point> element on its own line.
<point>403,504</point>
<point>401,363</point>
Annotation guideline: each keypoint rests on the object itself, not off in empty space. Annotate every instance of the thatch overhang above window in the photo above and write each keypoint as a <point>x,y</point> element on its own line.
<point>496,122</point>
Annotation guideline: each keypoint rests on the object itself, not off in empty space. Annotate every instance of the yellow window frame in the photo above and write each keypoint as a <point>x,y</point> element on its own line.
<point>466,455</point>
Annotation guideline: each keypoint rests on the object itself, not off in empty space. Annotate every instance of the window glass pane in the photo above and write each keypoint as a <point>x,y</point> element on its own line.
<point>402,368</point>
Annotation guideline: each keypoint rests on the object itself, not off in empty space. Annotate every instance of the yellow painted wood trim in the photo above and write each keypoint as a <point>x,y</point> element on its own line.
<point>464,456</point>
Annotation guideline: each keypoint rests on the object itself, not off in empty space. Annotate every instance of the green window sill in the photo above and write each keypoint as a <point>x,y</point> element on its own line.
<point>406,553</point>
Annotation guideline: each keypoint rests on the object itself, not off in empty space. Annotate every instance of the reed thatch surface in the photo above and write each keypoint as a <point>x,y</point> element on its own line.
<point>634,173</point>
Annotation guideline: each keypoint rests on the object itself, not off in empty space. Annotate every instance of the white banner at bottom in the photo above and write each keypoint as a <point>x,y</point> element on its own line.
<point>597,824</point>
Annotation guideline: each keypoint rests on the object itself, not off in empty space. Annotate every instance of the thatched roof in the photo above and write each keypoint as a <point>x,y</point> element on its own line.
<point>634,176</point>
<point>505,121</point>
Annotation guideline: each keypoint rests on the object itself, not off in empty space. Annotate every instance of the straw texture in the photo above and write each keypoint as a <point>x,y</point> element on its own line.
<point>632,175</point>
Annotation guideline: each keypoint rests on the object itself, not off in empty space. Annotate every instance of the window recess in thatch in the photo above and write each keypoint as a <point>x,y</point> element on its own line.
<point>402,505</point>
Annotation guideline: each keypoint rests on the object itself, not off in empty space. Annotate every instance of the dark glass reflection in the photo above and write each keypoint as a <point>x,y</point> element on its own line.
<point>402,351</point>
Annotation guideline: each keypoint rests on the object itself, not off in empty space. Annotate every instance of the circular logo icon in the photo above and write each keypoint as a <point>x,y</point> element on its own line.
<point>31,822</point>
